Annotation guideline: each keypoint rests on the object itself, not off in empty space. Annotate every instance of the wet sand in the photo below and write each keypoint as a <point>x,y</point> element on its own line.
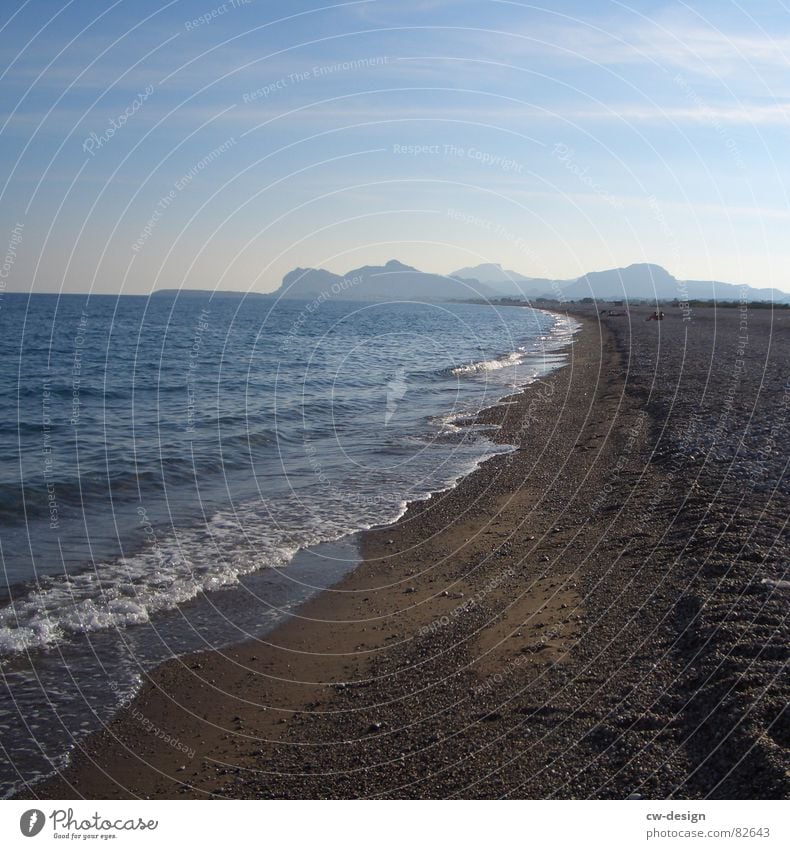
<point>586,617</point>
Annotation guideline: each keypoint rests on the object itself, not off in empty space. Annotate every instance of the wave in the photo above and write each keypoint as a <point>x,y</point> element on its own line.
<point>168,572</point>
<point>541,351</point>
<point>508,360</point>
<point>330,499</point>
<point>181,565</point>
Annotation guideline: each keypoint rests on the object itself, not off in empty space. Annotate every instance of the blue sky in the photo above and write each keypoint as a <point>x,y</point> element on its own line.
<point>208,144</point>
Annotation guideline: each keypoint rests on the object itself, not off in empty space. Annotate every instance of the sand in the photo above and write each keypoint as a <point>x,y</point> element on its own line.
<point>590,616</point>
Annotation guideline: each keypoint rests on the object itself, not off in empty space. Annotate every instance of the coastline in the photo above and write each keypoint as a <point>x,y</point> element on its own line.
<point>520,634</point>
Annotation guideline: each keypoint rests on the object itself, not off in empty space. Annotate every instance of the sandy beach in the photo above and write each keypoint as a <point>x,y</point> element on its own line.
<point>594,615</point>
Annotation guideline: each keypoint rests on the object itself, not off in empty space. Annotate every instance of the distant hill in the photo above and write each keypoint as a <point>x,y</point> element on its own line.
<point>635,282</point>
<point>508,283</point>
<point>644,280</point>
<point>641,281</point>
<point>489,272</point>
<point>380,283</point>
<point>732,292</point>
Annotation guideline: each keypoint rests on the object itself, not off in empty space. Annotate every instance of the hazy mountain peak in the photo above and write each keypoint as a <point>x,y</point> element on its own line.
<point>642,272</point>
<point>488,272</point>
<point>379,283</point>
<point>645,280</point>
<point>640,280</point>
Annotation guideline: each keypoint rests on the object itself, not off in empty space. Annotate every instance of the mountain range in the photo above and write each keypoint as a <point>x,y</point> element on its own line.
<point>491,281</point>
<point>635,282</point>
<point>380,282</point>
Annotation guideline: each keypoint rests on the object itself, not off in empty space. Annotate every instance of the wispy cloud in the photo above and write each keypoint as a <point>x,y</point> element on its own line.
<point>670,43</point>
<point>750,114</point>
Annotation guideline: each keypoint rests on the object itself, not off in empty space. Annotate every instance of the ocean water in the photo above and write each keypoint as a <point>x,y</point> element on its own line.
<point>182,471</point>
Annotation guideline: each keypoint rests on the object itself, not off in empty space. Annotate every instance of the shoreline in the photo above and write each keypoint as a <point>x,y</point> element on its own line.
<point>475,651</point>
<point>239,606</point>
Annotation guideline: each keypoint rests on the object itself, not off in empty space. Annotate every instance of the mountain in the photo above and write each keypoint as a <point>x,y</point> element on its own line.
<point>506,282</point>
<point>489,272</point>
<point>644,280</point>
<point>641,281</point>
<point>635,282</point>
<point>379,283</point>
<point>732,292</point>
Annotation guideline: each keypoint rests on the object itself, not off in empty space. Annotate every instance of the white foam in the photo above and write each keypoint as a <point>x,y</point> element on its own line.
<point>185,562</point>
<point>559,336</point>
<point>180,565</point>
<point>509,360</point>
<point>449,423</point>
<point>128,591</point>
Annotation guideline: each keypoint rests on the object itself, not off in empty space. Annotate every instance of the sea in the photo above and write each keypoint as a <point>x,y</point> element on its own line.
<point>181,471</point>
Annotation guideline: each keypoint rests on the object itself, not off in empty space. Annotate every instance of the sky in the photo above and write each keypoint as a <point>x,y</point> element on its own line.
<point>214,145</point>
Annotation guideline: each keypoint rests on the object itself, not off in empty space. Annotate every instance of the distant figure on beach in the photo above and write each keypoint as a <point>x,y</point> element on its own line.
<point>656,316</point>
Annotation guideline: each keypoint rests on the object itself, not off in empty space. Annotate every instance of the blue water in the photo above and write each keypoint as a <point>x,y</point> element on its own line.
<point>180,472</point>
